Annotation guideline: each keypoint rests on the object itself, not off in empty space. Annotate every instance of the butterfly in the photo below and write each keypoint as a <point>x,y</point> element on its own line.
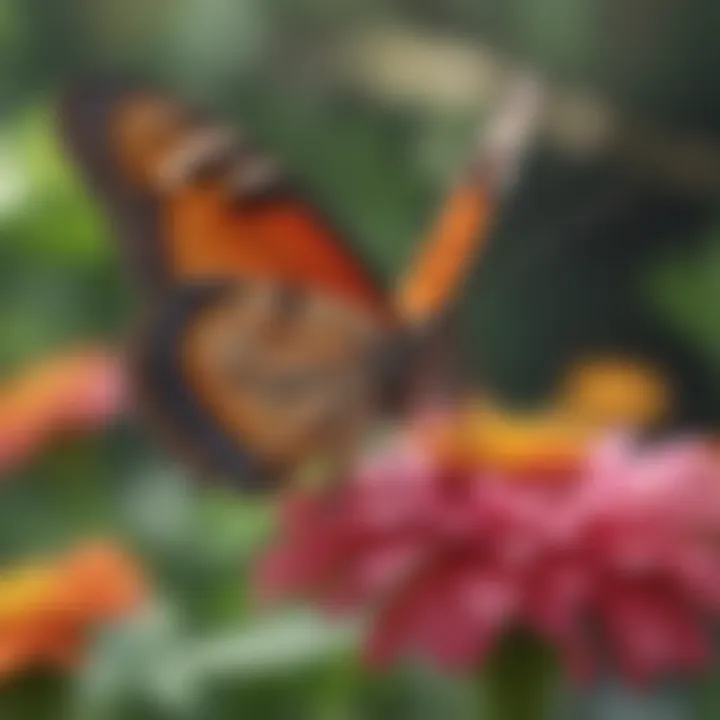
<point>266,340</point>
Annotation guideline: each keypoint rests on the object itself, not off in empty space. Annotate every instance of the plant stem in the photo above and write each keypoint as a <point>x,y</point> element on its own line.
<point>519,680</point>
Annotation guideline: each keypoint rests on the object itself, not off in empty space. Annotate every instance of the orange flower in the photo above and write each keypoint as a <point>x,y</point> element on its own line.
<point>600,395</point>
<point>47,609</point>
<point>541,444</point>
<point>71,393</point>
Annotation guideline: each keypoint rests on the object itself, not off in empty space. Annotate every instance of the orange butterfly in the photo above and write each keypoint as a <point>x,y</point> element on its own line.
<point>267,341</point>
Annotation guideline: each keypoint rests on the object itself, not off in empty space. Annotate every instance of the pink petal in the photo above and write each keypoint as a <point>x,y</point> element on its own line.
<point>653,634</point>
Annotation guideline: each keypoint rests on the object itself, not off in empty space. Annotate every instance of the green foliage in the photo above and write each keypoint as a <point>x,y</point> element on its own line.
<point>686,288</point>
<point>204,650</point>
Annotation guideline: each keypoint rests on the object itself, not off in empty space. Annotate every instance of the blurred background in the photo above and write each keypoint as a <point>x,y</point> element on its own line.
<point>374,105</point>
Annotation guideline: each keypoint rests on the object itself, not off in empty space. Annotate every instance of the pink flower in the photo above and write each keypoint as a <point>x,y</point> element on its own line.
<point>622,561</point>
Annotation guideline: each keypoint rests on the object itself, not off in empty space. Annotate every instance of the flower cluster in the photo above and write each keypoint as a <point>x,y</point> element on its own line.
<point>615,556</point>
<point>46,610</point>
<point>72,393</point>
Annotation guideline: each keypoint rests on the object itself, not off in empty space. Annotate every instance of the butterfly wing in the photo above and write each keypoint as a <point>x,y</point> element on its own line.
<point>192,199</point>
<point>263,329</point>
<point>249,391</point>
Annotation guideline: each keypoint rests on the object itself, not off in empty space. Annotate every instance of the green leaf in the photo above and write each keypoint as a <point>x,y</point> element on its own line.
<point>122,664</point>
<point>149,661</point>
<point>266,648</point>
<point>686,289</point>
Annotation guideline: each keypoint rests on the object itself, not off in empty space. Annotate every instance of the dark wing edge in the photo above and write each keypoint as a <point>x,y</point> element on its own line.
<point>85,112</point>
<point>171,408</point>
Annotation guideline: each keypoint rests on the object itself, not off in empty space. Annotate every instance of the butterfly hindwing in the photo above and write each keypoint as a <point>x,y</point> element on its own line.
<point>170,401</point>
